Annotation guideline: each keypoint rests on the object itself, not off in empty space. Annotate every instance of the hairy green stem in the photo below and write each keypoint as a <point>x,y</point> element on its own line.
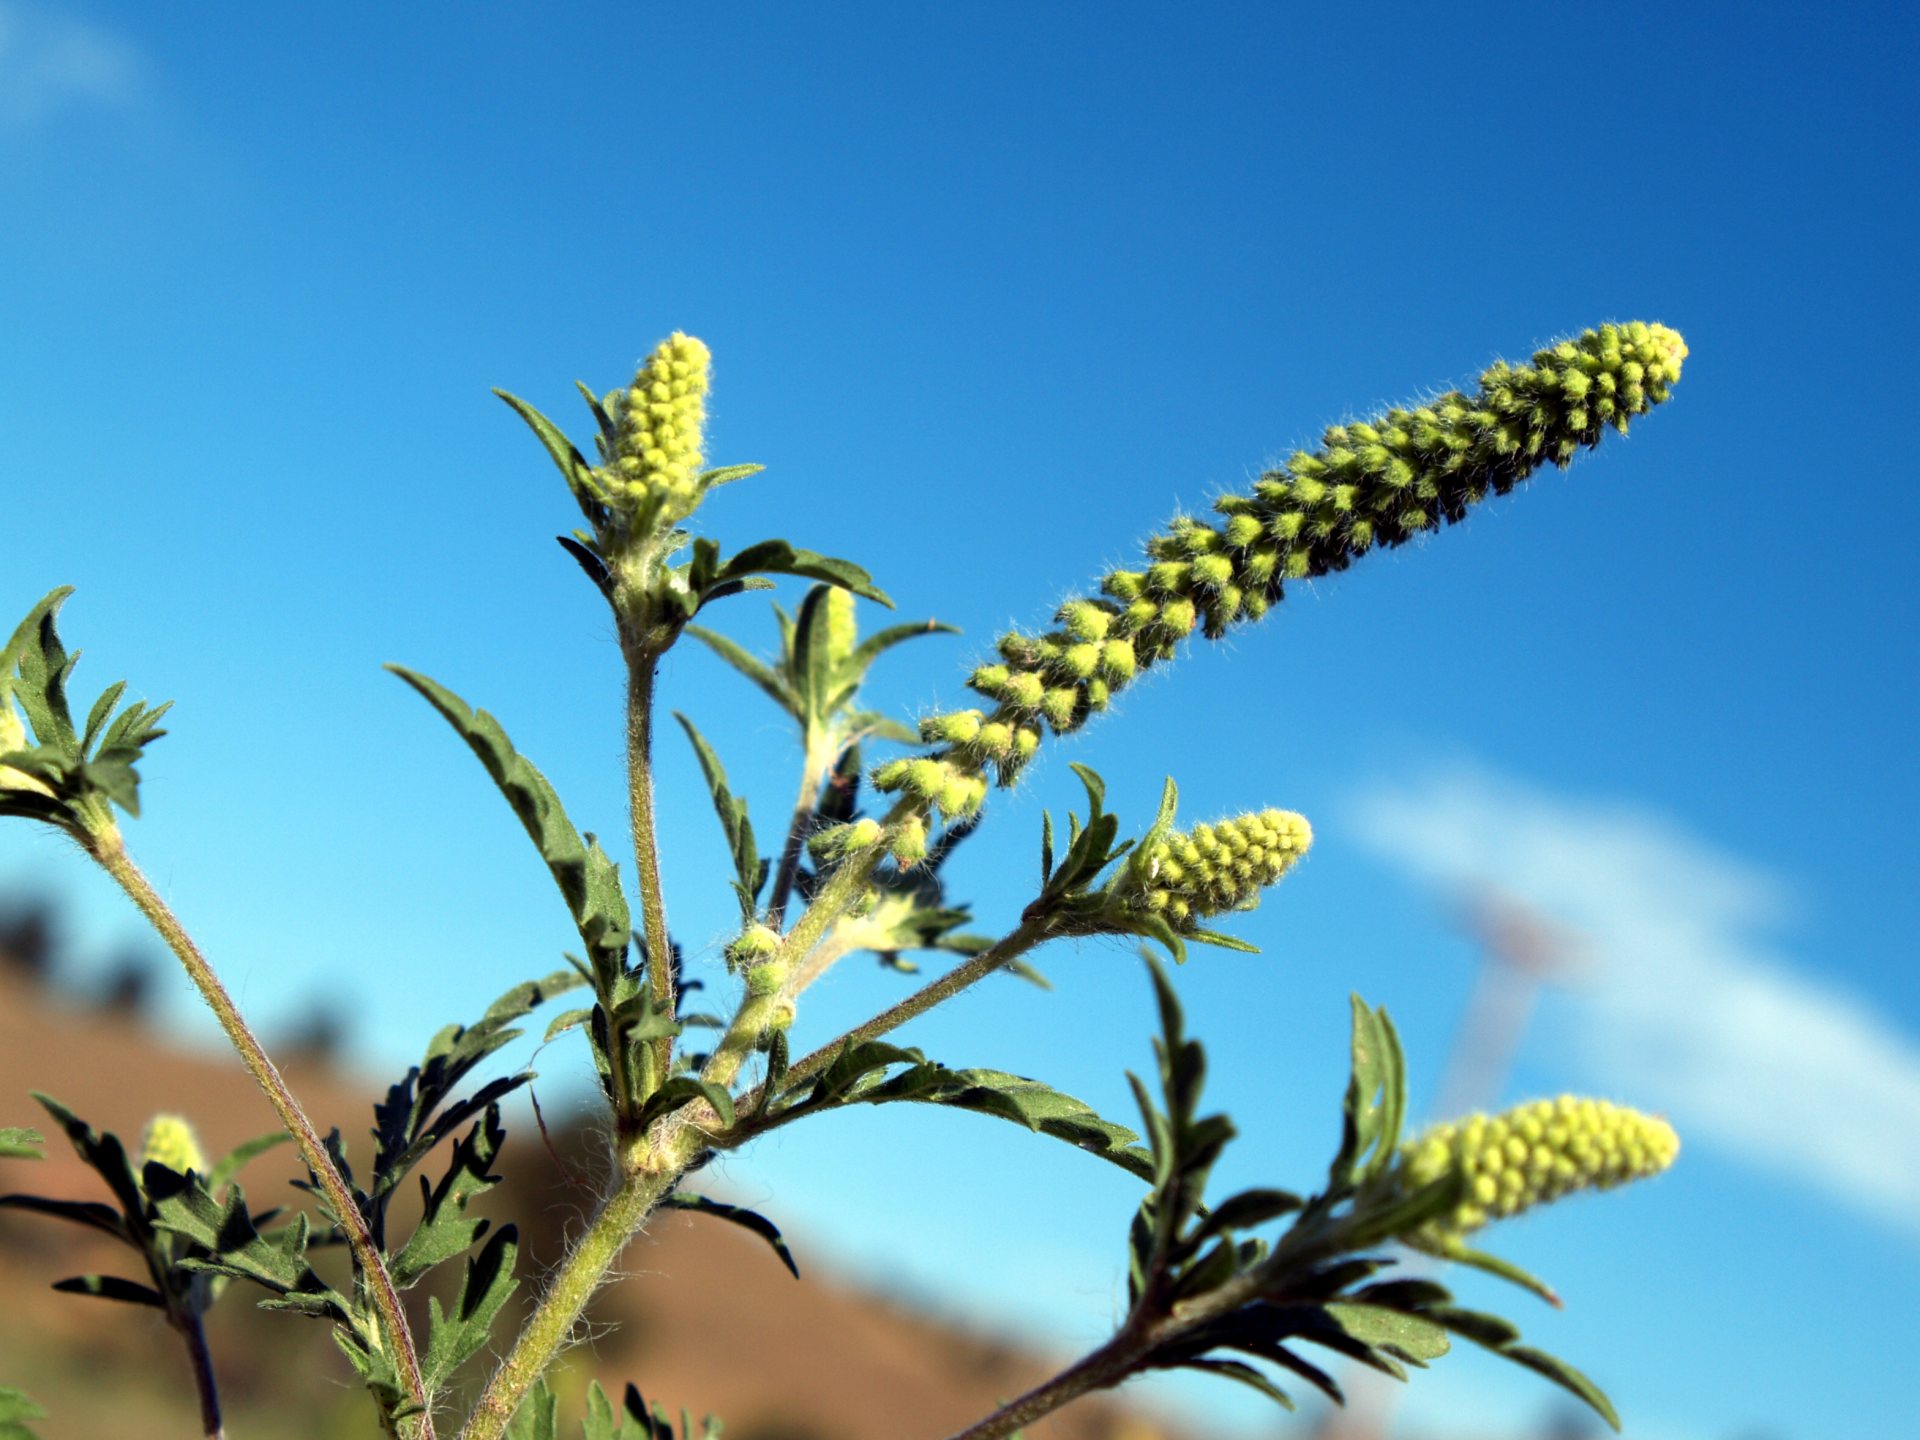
<point>566,1297</point>
<point>642,665</point>
<point>105,846</point>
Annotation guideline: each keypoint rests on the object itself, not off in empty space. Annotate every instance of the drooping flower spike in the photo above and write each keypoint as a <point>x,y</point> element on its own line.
<point>1376,483</point>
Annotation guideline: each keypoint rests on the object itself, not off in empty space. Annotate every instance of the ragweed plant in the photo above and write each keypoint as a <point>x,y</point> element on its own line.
<point>1241,1287</point>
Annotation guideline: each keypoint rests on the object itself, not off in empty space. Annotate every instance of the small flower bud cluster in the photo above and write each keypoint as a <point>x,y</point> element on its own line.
<point>658,422</point>
<point>906,843</point>
<point>169,1141</point>
<point>1533,1154</point>
<point>1208,870</point>
<point>953,789</point>
<point>1378,483</point>
<point>755,946</point>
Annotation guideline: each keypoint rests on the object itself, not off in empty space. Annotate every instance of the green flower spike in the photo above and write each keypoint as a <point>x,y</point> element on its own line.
<point>170,1142</point>
<point>1529,1156</point>
<point>1185,877</point>
<point>658,422</point>
<point>1377,483</point>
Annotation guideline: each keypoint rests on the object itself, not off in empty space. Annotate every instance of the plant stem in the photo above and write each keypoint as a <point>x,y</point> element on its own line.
<point>105,846</point>
<point>642,664</point>
<point>192,1332</point>
<point>812,771</point>
<point>1016,943</point>
<point>566,1296</point>
<point>1105,1367</point>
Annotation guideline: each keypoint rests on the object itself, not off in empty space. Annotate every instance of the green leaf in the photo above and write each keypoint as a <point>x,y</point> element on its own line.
<point>881,641</point>
<point>1248,1209</point>
<point>446,1229</point>
<point>538,1417</point>
<point>410,1122</point>
<point>235,1159</point>
<point>747,664</point>
<point>1245,1374</point>
<point>225,1229</point>
<point>738,1215</point>
<point>569,461</point>
<point>1376,1100</point>
<point>15,1410</point>
<point>589,561</point>
<point>36,656</point>
<point>1025,1102</point>
<point>102,1152</point>
<point>112,1287</point>
<point>1406,1337</point>
<point>777,557</point>
<point>565,1021</point>
<point>1565,1376</point>
<point>1462,1254</point>
<point>34,670</point>
<point>457,1334</point>
<point>600,1423</point>
<point>588,880</point>
<point>749,872</point>
<point>20,1144</point>
<point>81,1212</point>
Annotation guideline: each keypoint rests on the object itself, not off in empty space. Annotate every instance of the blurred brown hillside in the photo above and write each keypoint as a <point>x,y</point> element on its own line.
<point>707,1319</point>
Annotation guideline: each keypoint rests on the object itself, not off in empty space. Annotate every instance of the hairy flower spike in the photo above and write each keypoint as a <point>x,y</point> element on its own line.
<point>1370,484</point>
<point>1531,1155</point>
<point>1184,877</point>
<point>658,424</point>
<point>170,1141</point>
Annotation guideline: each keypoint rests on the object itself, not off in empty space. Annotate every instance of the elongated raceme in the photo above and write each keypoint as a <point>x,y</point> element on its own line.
<point>1375,483</point>
<point>1531,1155</point>
<point>170,1142</point>
<point>659,422</point>
<point>1187,876</point>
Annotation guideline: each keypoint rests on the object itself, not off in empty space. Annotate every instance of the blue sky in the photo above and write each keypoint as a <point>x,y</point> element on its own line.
<point>993,291</point>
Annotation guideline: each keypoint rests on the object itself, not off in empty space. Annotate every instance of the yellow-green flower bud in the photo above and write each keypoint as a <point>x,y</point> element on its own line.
<point>837,841</point>
<point>658,430</point>
<point>956,728</point>
<point>1084,620</point>
<point>1210,869</point>
<point>752,946</point>
<point>1529,1156</point>
<point>766,979</point>
<point>170,1141</point>
<point>781,1017</point>
<point>910,841</point>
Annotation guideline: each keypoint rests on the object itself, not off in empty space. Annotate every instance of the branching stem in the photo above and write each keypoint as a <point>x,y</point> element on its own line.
<point>1016,943</point>
<point>105,845</point>
<point>566,1296</point>
<point>1105,1367</point>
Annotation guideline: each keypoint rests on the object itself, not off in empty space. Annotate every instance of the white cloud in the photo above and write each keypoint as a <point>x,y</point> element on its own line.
<point>1685,1007</point>
<point>51,63</point>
